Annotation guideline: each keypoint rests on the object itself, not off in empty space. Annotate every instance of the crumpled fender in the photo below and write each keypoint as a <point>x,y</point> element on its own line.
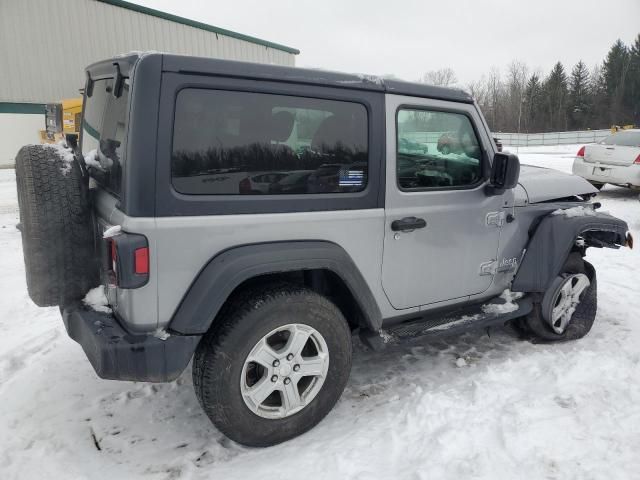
<point>553,240</point>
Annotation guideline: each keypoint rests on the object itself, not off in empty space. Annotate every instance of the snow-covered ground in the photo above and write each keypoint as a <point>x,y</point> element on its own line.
<point>473,407</point>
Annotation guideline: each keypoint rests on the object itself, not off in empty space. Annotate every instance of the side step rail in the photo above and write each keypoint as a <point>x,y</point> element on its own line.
<point>472,317</point>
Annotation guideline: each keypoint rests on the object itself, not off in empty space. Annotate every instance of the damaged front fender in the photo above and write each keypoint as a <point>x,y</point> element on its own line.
<point>555,237</point>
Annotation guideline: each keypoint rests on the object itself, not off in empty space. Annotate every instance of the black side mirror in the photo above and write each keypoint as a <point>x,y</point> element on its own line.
<point>505,172</point>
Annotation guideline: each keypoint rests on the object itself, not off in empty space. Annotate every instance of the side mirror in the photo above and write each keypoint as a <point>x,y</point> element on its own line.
<point>505,172</point>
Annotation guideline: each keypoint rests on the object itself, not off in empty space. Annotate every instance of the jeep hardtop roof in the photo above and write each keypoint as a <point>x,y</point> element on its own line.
<point>275,73</point>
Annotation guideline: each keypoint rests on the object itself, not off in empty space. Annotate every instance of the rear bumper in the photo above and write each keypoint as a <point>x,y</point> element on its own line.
<point>116,354</point>
<point>627,175</point>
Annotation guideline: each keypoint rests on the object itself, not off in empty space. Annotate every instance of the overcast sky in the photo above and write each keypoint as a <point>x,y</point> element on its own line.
<point>409,37</point>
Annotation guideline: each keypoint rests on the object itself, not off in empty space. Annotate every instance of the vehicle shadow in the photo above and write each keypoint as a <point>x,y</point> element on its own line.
<point>612,192</point>
<point>167,417</point>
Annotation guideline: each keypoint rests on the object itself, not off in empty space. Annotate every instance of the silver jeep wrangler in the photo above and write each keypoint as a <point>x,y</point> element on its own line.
<point>249,218</point>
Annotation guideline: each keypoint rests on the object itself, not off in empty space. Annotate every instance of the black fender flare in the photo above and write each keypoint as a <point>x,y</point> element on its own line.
<point>553,240</point>
<point>230,268</point>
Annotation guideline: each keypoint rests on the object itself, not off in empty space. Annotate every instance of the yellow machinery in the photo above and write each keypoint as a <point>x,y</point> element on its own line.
<point>617,128</point>
<point>62,121</point>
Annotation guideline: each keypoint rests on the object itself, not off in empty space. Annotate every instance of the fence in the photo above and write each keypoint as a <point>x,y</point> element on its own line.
<point>551,138</point>
<point>524,139</point>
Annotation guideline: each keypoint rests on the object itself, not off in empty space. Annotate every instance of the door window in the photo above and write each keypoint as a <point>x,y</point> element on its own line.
<point>436,149</point>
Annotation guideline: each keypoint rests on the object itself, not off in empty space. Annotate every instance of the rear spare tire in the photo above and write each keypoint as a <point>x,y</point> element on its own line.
<point>56,225</point>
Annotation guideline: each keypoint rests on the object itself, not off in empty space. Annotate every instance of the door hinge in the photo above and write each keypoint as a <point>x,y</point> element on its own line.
<point>488,268</point>
<point>496,218</point>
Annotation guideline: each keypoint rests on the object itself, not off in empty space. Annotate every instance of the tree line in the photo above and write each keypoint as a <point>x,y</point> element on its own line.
<point>577,99</point>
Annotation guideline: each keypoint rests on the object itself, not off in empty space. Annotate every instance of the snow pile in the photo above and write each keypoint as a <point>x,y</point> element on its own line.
<point>461,362</point>
<point>112,231</point>
<point>508,306</point>
<point>470,406</point>
<point>366,78</point>
<point>91,159</point>
<point>140,53</point>
<point>65,153</point>
<point>97,300</point>
<point>579,211</point>
<point>462,320</point>
<point>161,333</point>
<point>96,159</point>
<point>386,336</point>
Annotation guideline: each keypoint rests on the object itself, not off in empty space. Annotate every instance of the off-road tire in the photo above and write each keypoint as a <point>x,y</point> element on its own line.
<point>220,356</point>
<point>56,226</point>
<point>584,316</point>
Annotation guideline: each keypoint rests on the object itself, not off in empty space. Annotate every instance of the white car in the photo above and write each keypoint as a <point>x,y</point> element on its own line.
<point>615,160</point>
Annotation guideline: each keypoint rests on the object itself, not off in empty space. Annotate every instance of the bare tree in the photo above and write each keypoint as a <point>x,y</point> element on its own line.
<point>521,99</point>
<point>478,90</point>
<point>517,74</point>
<point>494,91</point>
<point>444,77</point>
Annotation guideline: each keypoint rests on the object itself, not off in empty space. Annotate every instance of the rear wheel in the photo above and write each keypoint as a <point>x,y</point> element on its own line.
<point>568,308</point>
<point>275,366</point>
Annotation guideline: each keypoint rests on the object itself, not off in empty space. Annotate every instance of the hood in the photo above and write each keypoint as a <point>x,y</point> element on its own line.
<point>543,184</point>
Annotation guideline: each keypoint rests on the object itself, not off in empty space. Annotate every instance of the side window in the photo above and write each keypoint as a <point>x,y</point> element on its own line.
<point>227,142</point>
<point>103,130</point>
<point>436,149</point>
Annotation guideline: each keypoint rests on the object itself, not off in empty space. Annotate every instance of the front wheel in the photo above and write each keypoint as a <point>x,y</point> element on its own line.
<point>275,366</point>
<point>568,308</point>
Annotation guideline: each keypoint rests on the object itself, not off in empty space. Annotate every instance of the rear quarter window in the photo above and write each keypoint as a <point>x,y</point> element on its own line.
<point>242,143</point>
<point>104,126</point>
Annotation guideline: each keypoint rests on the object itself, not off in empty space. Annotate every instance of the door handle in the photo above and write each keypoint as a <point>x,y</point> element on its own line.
<point>407,224</point>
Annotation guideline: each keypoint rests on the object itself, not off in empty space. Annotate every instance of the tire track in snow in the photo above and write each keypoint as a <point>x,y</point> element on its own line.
<point>15,360</point>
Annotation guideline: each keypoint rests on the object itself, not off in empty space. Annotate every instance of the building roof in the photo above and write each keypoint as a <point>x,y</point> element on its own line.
<point>196,24</point>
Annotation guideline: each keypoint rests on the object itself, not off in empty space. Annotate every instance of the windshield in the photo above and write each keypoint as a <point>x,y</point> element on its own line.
<point>626,139</point>
<point>104,125</point>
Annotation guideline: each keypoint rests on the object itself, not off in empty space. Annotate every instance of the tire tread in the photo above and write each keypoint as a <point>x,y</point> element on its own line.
<point>57,227</point>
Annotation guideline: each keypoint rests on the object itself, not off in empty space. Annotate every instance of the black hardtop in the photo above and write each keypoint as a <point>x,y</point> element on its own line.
<point>276,73</point>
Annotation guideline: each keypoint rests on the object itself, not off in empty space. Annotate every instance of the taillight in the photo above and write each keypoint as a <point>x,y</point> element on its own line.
<point>637,160</point>
<point>580,152</point>
<point>141,261</point>
<point>245,185</point>
<point>129,260</point>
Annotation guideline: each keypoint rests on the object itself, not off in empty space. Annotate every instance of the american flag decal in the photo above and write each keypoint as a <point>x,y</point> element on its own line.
<point>351,178</point>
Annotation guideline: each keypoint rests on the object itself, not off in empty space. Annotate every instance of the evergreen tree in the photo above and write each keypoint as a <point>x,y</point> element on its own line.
<point>533,104</point>
<point>599,117</point>
<point>579,97</point>
<point>608,94</point>
<point>634,84</point>
<point>556,94</point>
<point>616,70</point>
